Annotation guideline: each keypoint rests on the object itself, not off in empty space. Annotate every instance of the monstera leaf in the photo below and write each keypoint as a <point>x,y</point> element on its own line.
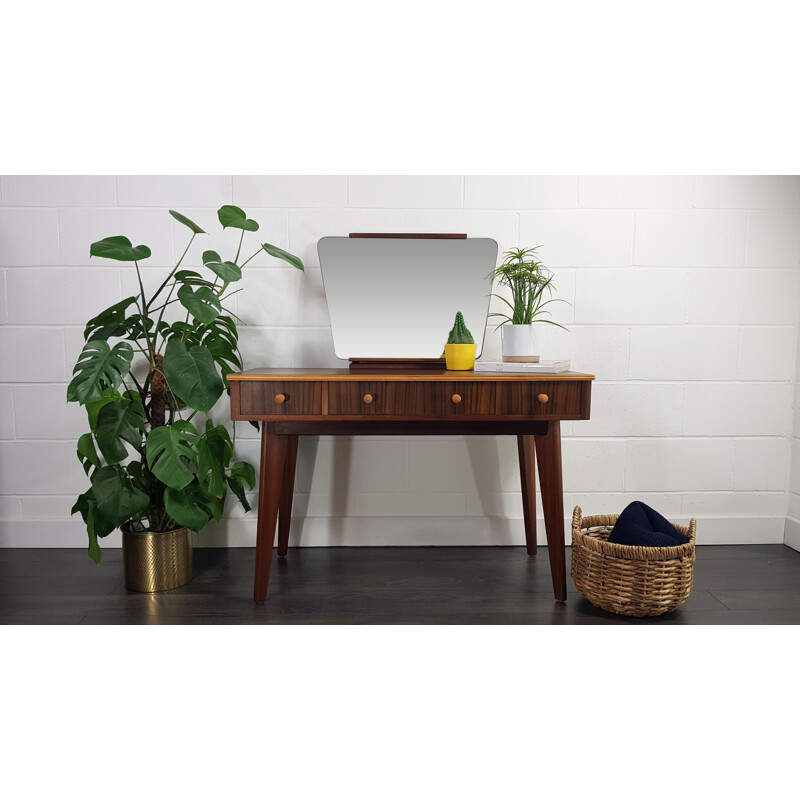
<point>241,473</point>
<point>216,450</point>
<point>116,499</point>
<point>86,505</point>
<point>189,507</point>
<point>108,323</point>
<point>138,326</point>
<point>192,226</point>
<point>221,339</point>
<point>118,421</point>
<point>222,329</point>
<point>219,442</point>
<point>210,472</point>
<point>244,472</point>
<point>234,217</point>
<point>190,333</point>
<point>120,249</point>
<point>288,257</point>
<point>87,454</point>
<point>226,270</point>
<point>192,375</point>
<point>202,303</point>
<point>166,448</point>
<point>99,367</point>
<point>93,408</point>
<point>192,278</point>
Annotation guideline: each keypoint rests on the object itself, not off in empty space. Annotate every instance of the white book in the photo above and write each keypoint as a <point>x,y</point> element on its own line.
<point>544,367</point>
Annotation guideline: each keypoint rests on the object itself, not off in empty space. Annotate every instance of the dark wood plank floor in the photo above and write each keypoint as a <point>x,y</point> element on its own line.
<point>734,585</point>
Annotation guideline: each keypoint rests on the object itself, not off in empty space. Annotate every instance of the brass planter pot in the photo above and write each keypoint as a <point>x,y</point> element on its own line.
<point>155,562</point>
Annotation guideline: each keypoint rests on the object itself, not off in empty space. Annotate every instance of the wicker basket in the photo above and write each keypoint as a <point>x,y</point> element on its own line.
<point>636,581</point>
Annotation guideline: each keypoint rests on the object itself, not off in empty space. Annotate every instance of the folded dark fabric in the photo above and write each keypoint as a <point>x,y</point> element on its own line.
<point>641,526</point>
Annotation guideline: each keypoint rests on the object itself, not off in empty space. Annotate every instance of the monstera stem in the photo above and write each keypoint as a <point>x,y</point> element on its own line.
<point>239,249</point>
<point>158,394</point>
<point>174,270</point>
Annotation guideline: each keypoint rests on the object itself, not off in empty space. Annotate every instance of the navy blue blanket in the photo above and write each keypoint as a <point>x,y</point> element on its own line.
<point>640,525</point>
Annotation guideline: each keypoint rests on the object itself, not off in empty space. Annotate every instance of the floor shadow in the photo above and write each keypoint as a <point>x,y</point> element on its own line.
<point>500,528</point>
<point>340,466</point>
<point>307,447</point>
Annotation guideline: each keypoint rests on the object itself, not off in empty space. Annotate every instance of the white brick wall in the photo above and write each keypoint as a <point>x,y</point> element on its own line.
<point>79,227</point>
<point>59,296</point>
<point>579,238</point>
<point>792,529</point>
<point>170,190</point>
<point>684,301</point>
<point>746,191</point>
<point>635,191</point>
<point>405,191</point>
<point>29,237</point>
<point>743,297</point>
<point>516,192</point>
<point>689,238</point>
<point>290,191</point>
<point>59,190</point>
<point>773,239</point>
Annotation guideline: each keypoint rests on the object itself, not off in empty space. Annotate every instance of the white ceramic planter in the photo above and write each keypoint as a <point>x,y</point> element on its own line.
<point>520,343</point>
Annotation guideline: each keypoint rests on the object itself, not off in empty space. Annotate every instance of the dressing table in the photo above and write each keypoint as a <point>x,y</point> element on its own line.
<point>300,402</point>
<point>395,295</point>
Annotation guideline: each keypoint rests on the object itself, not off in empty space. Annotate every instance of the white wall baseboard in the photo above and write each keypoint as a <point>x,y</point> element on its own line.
<point>394,531</point>
<point>791,533</point>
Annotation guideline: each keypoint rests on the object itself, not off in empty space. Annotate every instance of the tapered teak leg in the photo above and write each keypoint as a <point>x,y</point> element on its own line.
<point>548,451</point>
<point>528,476</point>
<point>287,493</point>
<point>273,460</point>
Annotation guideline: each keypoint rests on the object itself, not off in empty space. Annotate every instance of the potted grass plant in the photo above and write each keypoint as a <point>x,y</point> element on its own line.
<point>531,285</point>
<point>150,365</point>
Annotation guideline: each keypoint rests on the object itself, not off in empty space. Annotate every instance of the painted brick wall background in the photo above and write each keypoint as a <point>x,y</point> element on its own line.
<point>683,299</point>
<point>792,536</point>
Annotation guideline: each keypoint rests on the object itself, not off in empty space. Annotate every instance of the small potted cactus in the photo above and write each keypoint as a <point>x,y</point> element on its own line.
<point>459,352</point>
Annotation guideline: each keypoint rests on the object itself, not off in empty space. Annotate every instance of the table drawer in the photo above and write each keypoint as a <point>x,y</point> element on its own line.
<point>284,398</point>
<point>410,399</point>
<point>459,399</point>
<point>559,398</point>
<point>365,398</point>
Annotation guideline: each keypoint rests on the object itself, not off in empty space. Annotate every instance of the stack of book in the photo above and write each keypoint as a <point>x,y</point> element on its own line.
<point>542,367</point>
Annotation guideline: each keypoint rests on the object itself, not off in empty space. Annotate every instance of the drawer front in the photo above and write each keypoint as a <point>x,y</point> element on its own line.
<point>363,398</point>
<point>281,398</point>
<point>458,399</point>
<point>557,398</point>
<point>411,399</point>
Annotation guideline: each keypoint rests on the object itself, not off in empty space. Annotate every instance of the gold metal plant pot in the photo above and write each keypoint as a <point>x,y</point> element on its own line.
<point>157,561</point>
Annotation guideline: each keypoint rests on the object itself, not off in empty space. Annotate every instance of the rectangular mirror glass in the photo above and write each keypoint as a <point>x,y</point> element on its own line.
<point>398,298</point>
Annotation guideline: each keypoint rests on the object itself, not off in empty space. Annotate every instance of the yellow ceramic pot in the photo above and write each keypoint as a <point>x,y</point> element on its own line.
<point>460,356</point>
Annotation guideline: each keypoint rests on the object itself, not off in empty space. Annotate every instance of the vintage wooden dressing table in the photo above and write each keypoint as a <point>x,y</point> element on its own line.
<point>296,402</point>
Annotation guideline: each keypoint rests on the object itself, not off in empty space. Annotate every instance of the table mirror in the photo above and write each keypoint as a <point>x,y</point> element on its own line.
<point>395,296</point>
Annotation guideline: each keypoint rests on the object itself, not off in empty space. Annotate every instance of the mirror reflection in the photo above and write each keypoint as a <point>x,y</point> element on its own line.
<point>397,298</point>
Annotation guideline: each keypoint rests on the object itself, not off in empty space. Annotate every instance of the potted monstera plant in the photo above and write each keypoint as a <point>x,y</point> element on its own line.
<point>531,285</point>
<point>152,366</point>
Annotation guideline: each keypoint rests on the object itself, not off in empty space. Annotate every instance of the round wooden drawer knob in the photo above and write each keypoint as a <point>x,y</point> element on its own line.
<point>542,398</point>
<point>280,398</point>
<point>368,398</point>
<point>456,398</point>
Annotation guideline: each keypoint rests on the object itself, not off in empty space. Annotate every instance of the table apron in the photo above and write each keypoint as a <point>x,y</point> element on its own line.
<point>410,427</point>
